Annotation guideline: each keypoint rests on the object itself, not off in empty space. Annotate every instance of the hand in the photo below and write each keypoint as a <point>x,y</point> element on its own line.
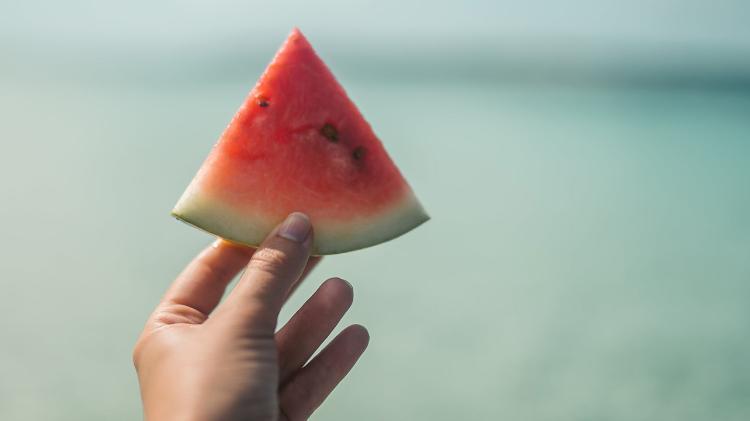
<point>233,365</point>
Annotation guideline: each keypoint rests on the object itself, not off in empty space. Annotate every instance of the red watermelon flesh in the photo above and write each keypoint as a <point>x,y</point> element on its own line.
<point>298,143</point>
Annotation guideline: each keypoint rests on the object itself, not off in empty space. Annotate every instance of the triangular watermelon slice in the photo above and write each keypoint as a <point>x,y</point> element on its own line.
<point>298,143</point>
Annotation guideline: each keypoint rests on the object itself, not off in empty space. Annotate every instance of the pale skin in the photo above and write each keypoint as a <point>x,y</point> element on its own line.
<point>199,359</point>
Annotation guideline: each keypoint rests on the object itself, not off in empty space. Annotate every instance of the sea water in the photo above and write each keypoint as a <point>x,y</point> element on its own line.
<point>588,256</point>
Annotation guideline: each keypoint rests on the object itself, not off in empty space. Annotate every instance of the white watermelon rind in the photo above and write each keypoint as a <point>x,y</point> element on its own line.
<point>198,209</point>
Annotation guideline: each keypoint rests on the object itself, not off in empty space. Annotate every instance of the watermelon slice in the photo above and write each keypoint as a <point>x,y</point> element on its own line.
<point>298,143</point>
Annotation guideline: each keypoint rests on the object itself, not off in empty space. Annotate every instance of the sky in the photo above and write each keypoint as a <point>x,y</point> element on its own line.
<point>546,25</point>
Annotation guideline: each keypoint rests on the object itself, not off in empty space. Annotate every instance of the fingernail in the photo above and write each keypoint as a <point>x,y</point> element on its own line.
<point>295,228</point>
<point>347,283</point>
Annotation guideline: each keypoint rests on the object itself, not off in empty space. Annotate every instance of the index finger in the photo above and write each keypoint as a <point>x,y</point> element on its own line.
<point>202,283</point>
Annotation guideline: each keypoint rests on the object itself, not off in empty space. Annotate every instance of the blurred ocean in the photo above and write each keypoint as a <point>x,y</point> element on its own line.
<point>588,256</point>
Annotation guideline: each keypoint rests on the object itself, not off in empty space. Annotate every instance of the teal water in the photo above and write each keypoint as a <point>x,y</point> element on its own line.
<point>588,256</point>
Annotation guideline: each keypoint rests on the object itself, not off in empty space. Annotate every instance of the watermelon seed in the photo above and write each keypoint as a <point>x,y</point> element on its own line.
<point>262,101</point>
<point>359,153</point>
<point>330,132</point>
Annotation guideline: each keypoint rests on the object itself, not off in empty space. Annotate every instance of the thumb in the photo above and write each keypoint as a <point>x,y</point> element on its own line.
<point>255,302</point>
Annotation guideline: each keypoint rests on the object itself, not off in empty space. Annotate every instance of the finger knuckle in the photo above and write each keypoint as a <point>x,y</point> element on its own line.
<point>268,260</point>
<point>174,313</point>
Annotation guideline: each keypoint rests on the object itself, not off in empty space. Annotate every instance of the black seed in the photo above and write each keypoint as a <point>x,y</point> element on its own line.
<point>330,132</point>
<point>359,153</point>
<point>262,101</point>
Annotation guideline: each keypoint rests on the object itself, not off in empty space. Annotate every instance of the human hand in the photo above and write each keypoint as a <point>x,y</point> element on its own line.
<point>233,365</point>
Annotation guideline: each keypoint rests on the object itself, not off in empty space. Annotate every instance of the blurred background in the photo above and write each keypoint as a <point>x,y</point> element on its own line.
<point>586,165</point>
